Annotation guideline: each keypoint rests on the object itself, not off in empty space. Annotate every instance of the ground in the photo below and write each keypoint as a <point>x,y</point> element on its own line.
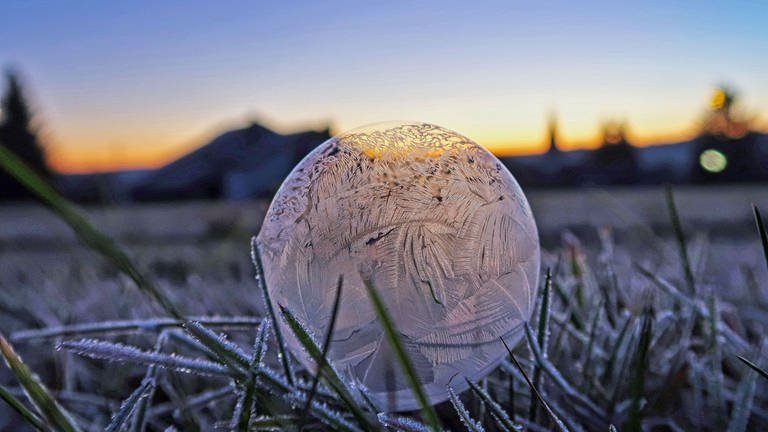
<point>199,252</point>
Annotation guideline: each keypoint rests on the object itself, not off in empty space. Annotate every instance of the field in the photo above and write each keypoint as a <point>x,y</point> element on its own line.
<point>618,276</point>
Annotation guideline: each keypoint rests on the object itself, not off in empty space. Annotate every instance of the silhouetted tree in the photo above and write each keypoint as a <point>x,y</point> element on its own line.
<point>615,161</point>
<point>722,120</point>
<point>18,135</point>
<point>727,150</point>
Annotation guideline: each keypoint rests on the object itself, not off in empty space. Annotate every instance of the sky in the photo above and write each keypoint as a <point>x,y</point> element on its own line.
<point>119,85</point>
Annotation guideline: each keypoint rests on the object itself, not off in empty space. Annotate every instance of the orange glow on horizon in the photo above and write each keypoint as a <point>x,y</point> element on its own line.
<point>105,159</point>
<point>94,158</point>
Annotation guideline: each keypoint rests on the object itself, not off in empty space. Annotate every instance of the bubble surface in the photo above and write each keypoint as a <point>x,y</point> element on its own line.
<point>442,229</point>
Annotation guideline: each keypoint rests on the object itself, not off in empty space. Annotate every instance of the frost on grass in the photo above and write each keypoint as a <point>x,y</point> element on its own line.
<point>441,228</point>
<point>117,352</point>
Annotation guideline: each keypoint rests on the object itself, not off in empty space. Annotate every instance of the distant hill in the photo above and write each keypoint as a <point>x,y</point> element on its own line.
<point>244,163</point>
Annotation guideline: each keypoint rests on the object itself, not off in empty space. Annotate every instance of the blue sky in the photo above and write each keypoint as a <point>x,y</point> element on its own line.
<point>135,83</point>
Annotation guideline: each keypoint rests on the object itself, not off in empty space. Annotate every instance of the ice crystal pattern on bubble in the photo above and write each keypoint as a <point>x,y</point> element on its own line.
<point>440,227</point>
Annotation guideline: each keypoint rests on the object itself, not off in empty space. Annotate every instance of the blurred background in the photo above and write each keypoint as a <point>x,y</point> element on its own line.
<point>173,123</point>
<point>122,103</point>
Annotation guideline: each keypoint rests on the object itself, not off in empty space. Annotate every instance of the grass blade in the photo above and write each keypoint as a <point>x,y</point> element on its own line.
<point>680,238</point>
<point>25,413</point>
<point>610,364</point>
<point>120,327</point>
<point>502,418</point>
<point>242,418</point>
<point>762,232</point>
<point>226,352</point>
<point>245,402</point>
<point>542,336</point>
<point>535,391</point>
<point>596,413</point>
<point>322,412</point>
<point>326,343</point>
<point>50,410</point>
<point>142,408</point>
<point>260,344</point>
<point>277,423</point>
<point>329,372</point>
<point>743,402</point>
<point>282,353</point>
<point>139,422</point>
<point>471,424</point>
<point>103,350</point>
<point>589,352</point>
<point>637,386</point>
<point>91,236</point>
<point>754,367</point>
<point>129,405</point>
<point>401,423</point>
<point>715,380</point>
<point>427,411</point>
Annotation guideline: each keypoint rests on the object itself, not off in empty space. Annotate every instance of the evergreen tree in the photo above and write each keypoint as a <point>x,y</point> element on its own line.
<point>18,135</point>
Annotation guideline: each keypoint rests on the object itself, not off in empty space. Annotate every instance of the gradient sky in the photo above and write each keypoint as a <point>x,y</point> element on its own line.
<point>129,84</point>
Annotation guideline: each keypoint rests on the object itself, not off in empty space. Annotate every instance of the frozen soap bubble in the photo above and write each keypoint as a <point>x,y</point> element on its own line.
<point>440,227</point>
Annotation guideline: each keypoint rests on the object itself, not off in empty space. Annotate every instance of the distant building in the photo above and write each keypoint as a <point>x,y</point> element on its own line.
<point>704,159</point>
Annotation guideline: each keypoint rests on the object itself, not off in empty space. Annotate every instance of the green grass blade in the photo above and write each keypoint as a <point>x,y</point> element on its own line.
<point>329,372</point>
<point>762,232</point>
<point>242,417</point>
<point>261,281</point>
<point>560,425</point>
<point>326,343</point>
<point>637,385</point>
<point>471,424</point>
<point>427,411</point>
<point>25,413</point>
<point>542,336</point>
<point>91,236</point>
<point>680,238</point>
<point>497,412</point>
<point>754,367</point>
<point>226,352</point>
<point>47,407</point>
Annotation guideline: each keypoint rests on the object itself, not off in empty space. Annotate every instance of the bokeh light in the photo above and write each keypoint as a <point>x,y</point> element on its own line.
<point>713,161</point>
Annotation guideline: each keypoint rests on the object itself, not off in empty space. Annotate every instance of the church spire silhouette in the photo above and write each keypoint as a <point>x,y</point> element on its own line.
<point>552,132</point>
